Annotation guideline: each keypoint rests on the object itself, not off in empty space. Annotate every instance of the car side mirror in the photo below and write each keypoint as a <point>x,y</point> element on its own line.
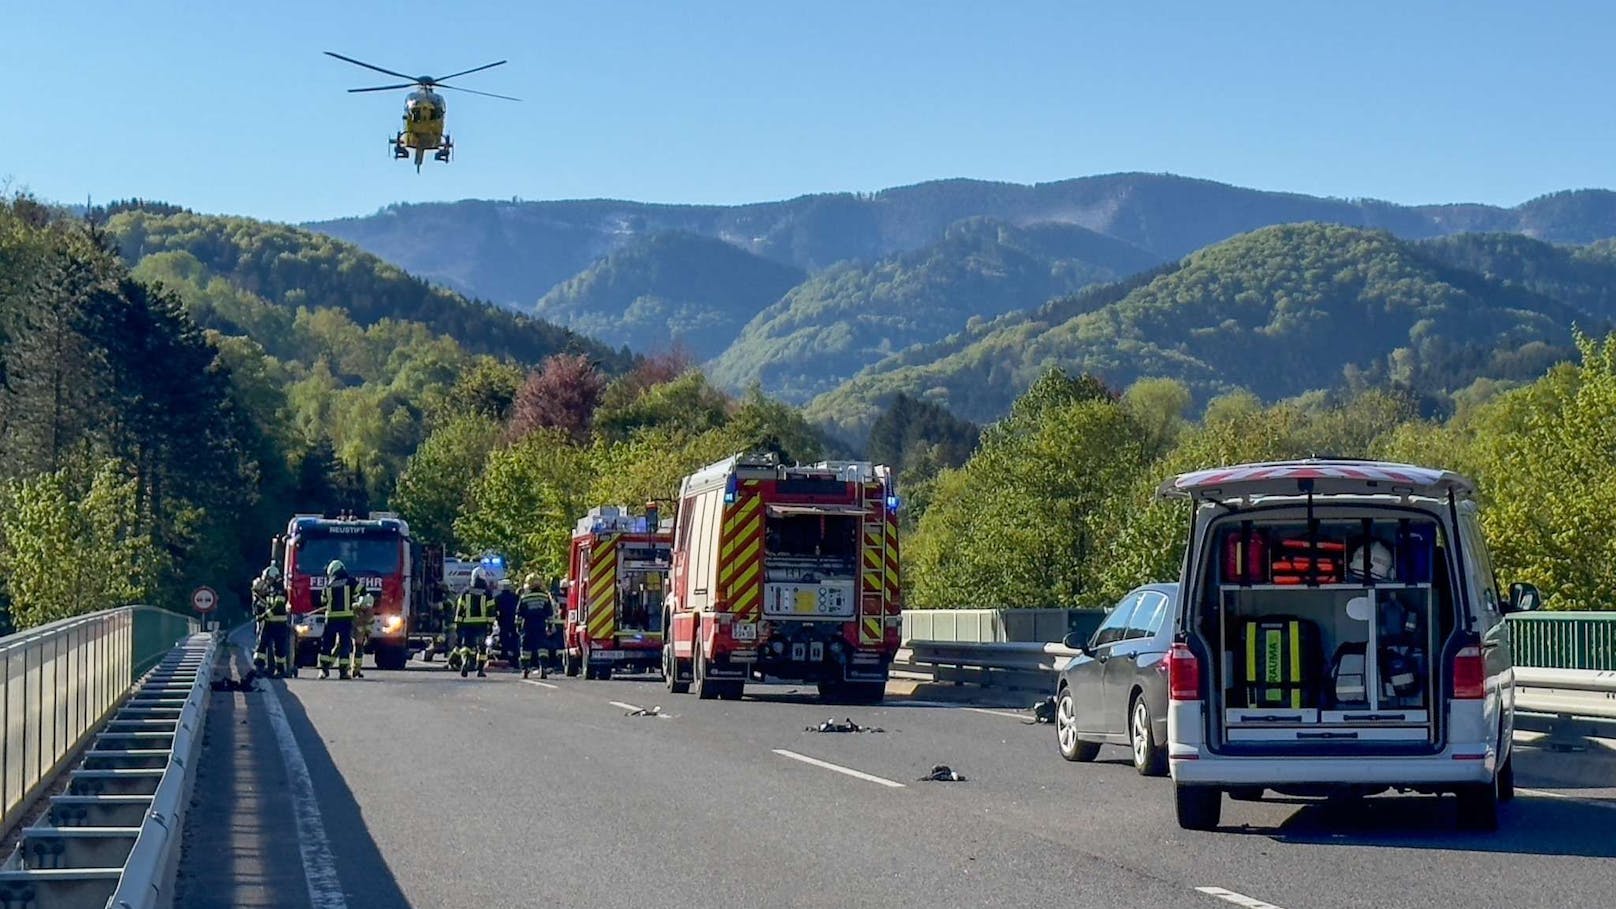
<point>1524,598</point>
<point>1076,641</point>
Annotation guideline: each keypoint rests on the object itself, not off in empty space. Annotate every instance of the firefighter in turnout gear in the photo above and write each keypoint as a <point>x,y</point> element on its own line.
<point>533,614</point>
<point>364,614</point>
<point>473,616</point>
<point>274,628</point>
<point>338,599</point>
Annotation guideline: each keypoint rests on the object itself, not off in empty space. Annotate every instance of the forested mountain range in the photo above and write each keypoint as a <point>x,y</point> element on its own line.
<point>670,289</point>
<point>514,252</point>
<point>852,315</point>
<point>1278,312</point>
<point>800,295</point>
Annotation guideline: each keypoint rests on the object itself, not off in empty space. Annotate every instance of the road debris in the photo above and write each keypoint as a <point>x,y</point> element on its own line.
<point>845,725</point>
<point>942,773</point>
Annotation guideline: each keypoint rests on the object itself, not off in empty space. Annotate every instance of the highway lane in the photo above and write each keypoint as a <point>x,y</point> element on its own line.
<point>434,790</point>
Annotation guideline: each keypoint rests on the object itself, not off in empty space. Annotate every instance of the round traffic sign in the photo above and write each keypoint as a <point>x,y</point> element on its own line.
<point>204,599</point>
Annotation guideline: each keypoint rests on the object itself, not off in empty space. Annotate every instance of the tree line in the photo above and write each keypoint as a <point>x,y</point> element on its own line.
<point>1057,506</point>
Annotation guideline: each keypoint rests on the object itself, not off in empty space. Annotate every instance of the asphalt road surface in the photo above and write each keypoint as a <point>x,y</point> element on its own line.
<point>418,788</point>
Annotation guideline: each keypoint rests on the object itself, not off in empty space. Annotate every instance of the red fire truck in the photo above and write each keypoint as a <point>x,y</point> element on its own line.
<point>617,573</point>
<point>784,573</point>
<point>377,551</point>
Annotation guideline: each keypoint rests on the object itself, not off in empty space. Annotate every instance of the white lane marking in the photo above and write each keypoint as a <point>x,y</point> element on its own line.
<point>1013,716</point>
<point>1545,794</point>
<point>539,683</point>
<point>1229,896</point>
<point>319,867</point>
<point>634,707</point>
<point>856,774</point>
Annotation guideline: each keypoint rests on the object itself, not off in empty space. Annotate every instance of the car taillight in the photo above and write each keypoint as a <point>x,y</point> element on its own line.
<point>1183,674</point>
<point>1469,674</point>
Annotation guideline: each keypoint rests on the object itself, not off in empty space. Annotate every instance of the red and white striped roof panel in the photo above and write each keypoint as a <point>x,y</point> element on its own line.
<point>1328,478</point>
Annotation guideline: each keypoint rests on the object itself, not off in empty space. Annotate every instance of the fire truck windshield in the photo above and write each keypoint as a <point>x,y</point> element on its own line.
<point>360,555</point>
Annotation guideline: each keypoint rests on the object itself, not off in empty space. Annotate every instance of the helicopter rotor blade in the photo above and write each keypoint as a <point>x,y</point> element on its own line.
<point>468,72</point>
<point>385,88</point>
<point>473,91</point>
<point>378,69</point>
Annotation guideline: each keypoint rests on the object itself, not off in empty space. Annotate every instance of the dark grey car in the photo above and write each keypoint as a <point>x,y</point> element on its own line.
<point>1115,692</point>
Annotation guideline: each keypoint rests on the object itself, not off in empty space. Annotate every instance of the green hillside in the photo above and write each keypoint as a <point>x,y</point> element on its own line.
<point>670,289</point>
<point>288,267</point>
<point>1279,311</point>
<point>849,317</point>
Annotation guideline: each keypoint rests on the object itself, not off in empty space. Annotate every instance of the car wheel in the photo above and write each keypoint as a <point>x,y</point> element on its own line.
<point>1197,807</point>
<point>1149,757</point>
<point>1478,806</point>
<point>1071,747</point>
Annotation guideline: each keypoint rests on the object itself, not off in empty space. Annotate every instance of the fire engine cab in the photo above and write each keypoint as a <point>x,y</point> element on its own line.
<point>785,573</point>
<point>617,574</point>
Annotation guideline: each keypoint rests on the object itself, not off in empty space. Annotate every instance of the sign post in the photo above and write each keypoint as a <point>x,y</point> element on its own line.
<point>204,600</point>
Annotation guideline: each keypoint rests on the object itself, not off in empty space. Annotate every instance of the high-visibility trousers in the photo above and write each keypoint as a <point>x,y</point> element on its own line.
<point>336,643</point>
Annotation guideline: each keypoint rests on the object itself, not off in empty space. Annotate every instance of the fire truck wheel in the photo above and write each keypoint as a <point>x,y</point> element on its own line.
<point>590,672</point>
<point>670,671</point>
<point>706,689</point>
<point>569,666</point>
<point>732,691</point>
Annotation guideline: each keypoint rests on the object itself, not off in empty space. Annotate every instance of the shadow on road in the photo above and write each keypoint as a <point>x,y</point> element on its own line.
<point>241,843</point>
<point>366,879</point>
<point>1529,825</point>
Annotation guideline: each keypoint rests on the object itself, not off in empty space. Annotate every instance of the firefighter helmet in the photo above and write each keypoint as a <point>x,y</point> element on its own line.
<point>533,581</point>
<point>271,573</point>
<point>335,568</point>
<point>479,578</point>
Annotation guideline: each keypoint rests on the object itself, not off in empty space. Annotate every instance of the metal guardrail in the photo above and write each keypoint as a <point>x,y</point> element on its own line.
<point>111,839</point>
<point>59,681</point>
<point>1570,705</point>
<point>985,626</point>
<point>1565,640</point>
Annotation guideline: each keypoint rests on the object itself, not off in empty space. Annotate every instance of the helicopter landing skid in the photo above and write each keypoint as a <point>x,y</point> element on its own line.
<point>399,151</point>
<point>444,151</point>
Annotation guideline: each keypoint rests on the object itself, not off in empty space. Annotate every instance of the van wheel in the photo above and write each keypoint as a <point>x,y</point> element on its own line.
<point>1149,758</point>
<point>1506,779</point>
<point>1071,747</point>
<point>1478,807</point>
<point>1197,807</point>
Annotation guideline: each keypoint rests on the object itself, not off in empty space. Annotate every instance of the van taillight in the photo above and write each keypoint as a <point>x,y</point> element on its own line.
<point>1183,674</point>
<point>1469,674</point>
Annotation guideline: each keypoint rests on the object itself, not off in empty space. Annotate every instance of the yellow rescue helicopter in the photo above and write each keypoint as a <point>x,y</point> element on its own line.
<point>423,110</point>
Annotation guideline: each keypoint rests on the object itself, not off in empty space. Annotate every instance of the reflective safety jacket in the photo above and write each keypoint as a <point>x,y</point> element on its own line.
<point>271,606</point>
<point>339,598</point>
<point>534,612</point>
<point>475,608</point>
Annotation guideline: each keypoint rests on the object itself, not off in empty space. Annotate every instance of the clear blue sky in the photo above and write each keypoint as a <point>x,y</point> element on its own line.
<point>231,107</point>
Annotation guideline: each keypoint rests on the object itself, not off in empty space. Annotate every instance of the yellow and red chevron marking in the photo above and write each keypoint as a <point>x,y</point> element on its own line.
<point>872,573</point>
<point>870,631</point>
<point>894,589</point>
<point>600,596</point>
<point>740,563</point>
